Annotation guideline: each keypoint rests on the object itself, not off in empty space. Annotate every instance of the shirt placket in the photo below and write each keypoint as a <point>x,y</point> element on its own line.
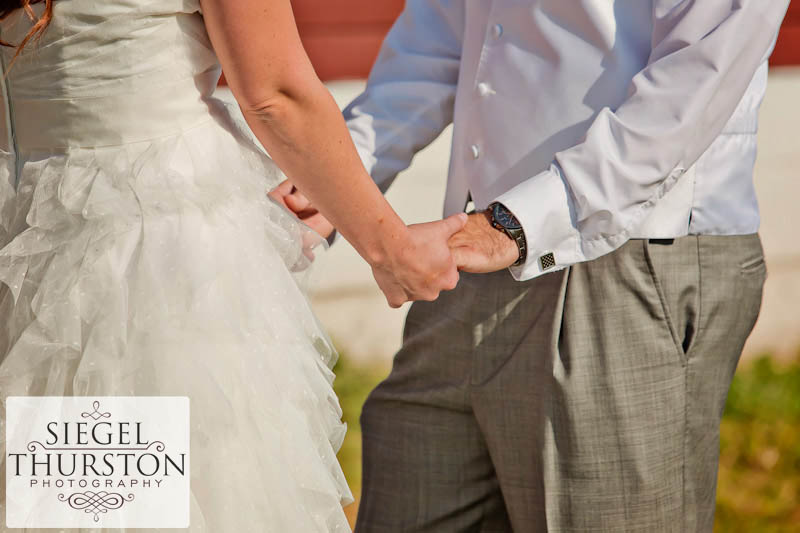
<point>481,92</point>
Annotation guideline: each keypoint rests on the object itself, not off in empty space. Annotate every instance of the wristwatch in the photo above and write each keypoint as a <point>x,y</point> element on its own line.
<point>504,220</point>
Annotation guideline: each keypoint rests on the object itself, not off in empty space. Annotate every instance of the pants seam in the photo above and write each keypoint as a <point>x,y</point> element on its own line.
<point>686,396</point>
<point>700,322</point>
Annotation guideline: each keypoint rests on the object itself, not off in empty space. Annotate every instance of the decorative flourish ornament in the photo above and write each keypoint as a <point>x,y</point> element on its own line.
<point>95,502</point>
<point>96,414</point>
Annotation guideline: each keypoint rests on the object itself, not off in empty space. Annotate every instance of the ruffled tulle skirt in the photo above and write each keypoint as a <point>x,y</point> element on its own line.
<point>161,268</point>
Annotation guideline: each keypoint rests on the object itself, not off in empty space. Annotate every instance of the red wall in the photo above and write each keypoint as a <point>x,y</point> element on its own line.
<point>342,37</point>
<point>787,51</point>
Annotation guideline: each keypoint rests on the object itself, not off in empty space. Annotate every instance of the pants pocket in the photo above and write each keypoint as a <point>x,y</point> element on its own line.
<point>675,271</point>
<point>753,266</point>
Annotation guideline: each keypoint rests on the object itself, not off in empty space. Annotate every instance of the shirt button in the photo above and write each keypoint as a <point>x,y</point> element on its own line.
<point>497,31</point>
<point>476,151</point>
<point>484,89</point>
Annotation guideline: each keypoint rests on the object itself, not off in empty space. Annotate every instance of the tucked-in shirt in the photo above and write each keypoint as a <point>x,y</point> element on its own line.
<point>593,121</point>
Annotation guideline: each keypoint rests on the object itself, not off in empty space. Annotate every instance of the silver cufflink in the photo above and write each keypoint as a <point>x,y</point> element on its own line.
<point>547,261</point>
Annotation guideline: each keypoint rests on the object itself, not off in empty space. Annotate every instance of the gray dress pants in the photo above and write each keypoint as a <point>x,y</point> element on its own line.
<point>587,399</point>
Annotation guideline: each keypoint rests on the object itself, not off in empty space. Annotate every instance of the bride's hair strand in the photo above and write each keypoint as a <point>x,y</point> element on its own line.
<point>40,25</point>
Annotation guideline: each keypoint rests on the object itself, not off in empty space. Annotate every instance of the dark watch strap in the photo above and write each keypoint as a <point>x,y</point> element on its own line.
<point>519,237</point>
<point>515,233</point>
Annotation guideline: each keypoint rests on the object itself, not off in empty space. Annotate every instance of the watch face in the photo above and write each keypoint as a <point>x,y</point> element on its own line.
<point>504,217</point>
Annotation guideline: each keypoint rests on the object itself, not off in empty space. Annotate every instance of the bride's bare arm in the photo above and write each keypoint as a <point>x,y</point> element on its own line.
<point>294,116</point>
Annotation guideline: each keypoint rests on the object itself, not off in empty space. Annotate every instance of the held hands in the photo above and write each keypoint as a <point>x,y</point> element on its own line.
<point>427,260</point>
<point>417,266</point>
<point>426,265</point>
<point>480,248</point>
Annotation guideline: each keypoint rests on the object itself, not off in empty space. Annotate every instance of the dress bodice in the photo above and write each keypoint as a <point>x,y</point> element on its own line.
<point>107,73</point>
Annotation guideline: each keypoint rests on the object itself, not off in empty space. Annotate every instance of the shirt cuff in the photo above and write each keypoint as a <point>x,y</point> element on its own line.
<point>542,206</point>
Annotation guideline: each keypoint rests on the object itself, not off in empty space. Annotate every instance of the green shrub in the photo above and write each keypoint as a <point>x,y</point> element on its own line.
<point>759,476</point>
<point>353,384</point>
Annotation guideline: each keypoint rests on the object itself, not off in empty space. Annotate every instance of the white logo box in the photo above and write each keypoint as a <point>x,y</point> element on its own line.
<point>97,462</point>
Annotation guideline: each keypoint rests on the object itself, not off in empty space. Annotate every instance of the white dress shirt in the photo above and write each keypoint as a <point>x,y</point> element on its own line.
<point>593,121</point>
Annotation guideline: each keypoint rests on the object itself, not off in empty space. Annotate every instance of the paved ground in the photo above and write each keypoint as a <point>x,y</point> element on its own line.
<point>352,308</point>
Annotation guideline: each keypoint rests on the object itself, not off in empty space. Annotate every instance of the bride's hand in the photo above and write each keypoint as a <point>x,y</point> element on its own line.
<point>420,266</point>
<point>292,199</point>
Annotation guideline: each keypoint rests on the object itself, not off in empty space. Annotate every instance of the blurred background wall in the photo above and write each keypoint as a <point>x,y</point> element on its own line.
<point>342,37</point>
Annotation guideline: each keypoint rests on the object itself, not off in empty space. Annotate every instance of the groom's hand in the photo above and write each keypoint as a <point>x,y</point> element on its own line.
<point>481,248</point>
<point>289,197</point>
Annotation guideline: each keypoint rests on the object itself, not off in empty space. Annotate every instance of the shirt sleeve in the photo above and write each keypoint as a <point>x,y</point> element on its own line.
<point>704,56</point>
<point>411,89</point>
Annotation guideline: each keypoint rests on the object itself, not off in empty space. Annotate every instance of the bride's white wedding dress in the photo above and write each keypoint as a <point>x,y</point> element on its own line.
<point>140,256</point>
